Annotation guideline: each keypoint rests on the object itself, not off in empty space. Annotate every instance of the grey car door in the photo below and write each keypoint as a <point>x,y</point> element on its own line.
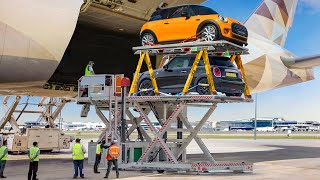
<point>174,74</point>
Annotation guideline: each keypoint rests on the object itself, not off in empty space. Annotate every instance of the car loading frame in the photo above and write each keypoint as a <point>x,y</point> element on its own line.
<point>159,151</point>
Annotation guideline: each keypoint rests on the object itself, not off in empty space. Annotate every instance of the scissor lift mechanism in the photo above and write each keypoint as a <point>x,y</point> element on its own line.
<point>178,105</point>
<point>170,108</point>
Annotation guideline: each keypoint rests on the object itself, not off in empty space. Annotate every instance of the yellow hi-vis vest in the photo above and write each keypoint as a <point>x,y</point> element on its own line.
<point>87,72</point>
<point>2,149</point>
<point>33,153</point>
<point>98,149</point>
<point>77,153</point>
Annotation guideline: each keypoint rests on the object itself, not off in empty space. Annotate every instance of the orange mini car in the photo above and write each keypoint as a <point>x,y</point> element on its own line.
<point>176,24</point>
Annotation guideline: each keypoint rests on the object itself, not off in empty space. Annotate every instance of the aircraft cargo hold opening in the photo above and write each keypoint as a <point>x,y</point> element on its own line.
<point>111,52</point>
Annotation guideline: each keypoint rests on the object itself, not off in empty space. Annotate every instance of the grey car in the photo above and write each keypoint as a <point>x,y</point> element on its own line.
<point>173,76</point>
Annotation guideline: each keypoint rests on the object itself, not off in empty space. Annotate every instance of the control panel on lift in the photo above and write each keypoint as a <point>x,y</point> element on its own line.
<point>100,87</point>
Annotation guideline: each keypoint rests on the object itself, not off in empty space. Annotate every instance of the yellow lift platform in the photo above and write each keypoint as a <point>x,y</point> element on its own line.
<point>202,50</point>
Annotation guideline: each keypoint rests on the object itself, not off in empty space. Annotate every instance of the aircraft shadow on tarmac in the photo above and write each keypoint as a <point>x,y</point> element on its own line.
<point>284,153</point>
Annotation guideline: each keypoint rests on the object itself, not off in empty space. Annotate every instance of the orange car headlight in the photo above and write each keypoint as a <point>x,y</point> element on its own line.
<point>223,19</point>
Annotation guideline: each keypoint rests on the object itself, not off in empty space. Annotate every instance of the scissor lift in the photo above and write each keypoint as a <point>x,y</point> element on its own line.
<point>161,150</point>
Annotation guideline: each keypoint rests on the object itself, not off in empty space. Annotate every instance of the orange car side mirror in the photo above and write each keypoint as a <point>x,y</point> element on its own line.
<point>185,14</point>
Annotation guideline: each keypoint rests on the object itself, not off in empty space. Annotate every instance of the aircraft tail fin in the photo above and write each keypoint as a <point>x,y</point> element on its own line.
<point>273,19</point>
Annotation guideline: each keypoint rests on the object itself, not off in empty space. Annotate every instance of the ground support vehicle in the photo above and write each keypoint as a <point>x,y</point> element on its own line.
<point>157,149</point>
<point>21,139</point>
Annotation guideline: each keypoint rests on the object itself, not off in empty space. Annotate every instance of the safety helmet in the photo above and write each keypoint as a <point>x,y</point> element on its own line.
<point>91,63</point>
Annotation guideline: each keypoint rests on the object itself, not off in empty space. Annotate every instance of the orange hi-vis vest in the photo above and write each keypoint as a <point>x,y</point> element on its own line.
<point>113,152</point>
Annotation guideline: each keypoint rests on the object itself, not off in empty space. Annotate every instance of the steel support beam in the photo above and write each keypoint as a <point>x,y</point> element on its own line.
<point>158,134</point>
<point>136,124</point>
<point>193,135</point>
<point>104,119</point>
<point>8,115</point>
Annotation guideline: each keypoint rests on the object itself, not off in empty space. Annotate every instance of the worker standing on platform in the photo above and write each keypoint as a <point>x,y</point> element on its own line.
<point>78,152</point>
<point>112,157</point>
<point>3,157</point>
<point>89,69</point>
<point>99,151</point>
<point>33,155</point>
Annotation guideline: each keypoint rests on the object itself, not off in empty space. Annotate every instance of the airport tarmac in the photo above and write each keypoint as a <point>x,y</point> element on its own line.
<point>274,159</point>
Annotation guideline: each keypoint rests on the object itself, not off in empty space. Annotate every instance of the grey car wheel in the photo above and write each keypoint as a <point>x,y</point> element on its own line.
<point>148,39</point>
<point>146,84</point>
<point>209,33</point>
<point>203,90</point>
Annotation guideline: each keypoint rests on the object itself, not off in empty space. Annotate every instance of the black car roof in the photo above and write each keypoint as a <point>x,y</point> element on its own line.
<point>182,6</point>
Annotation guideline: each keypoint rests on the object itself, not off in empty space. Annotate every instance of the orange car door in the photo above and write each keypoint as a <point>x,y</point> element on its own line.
<point>182,24</point>
<point>159,29</point>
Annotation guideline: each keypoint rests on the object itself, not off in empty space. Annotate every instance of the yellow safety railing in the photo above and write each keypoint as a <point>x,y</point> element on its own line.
<point>204,54</point>
<point>144,56</point>
<point>238,60</point>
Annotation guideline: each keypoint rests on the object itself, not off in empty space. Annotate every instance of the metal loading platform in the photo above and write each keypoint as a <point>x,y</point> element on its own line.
<point>157,132</point>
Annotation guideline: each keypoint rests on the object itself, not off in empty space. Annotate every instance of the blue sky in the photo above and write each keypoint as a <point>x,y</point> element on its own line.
<point>297,102</point>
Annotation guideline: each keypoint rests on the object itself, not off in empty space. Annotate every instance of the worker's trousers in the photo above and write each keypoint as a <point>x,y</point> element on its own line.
<point>96,163</point>
<point>2,166</point>
<point>33,169</point>
<point>115,163</point>
<point>78,165</point>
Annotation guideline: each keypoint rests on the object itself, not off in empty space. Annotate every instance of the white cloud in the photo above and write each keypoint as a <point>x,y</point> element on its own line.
<point>312,4</point>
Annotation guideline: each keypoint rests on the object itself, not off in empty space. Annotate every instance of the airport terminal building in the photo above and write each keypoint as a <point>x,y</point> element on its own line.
<point>267,124</point>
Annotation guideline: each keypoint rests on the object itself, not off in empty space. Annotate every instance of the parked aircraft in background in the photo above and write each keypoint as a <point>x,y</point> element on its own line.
<point>34,46</point>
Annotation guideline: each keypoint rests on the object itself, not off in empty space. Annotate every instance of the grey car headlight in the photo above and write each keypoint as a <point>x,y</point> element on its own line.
<point>223,19</point>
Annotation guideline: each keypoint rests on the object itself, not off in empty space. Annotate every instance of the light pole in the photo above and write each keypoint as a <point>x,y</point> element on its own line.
<point>125,83</point>
<point>255,117</point>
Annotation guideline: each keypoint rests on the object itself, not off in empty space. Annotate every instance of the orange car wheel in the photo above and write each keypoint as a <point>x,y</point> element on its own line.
<point>209,32</point>
<point>148,38</point>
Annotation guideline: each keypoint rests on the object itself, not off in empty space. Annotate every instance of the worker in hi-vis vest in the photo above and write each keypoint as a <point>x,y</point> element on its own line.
<point>78,152</point>
<point>3,157</point>
<point>99,151</point>
<point>33,155</point>
<point>89,69</point>
<point>112,157</point>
